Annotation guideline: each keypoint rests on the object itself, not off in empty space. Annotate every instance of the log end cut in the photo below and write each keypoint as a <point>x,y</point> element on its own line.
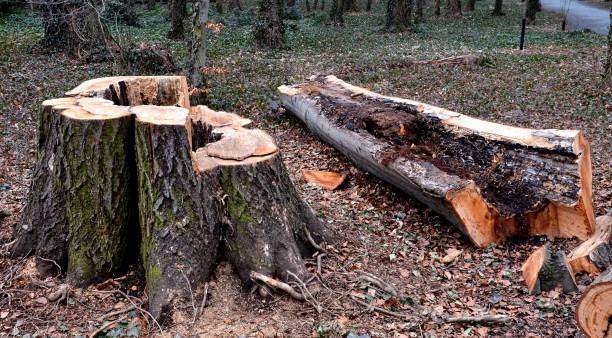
<point>594,311</point>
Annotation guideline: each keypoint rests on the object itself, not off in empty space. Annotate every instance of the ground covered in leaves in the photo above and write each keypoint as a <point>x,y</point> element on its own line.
<point>552,84</point>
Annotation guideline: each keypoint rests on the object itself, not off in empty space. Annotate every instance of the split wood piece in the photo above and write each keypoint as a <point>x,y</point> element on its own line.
<point>594,254</point>
<point>546,269</point>
<point>594,311</point>
<point>326,179</point>
<point>492,181</point>
<point>79,211</point>
<point>234,187</point>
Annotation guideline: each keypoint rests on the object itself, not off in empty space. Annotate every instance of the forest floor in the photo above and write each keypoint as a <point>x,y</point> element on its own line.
<point>553,83</point>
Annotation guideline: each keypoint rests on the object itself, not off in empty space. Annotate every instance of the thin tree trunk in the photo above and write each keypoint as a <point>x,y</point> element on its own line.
<point>437,7</point>
<point>369,5</point>
<point>337,12</point>
<point>307,3</point>
<point>315,5</point>
<point>198,48</point>
<point>270,30</point>
<point>608,69</point>
<point>219,6</point>
<point>322,5</point>
<point>418,14</point>
<point>398,15</point>
<point>150,4</point>
<point>497,11</point>
<point>532,7</point>
<point>453,8</point>
<point>471,5</point>
<point>176,10</point>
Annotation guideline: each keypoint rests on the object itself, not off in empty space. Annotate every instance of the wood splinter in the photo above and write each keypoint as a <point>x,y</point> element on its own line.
<point>546,269</point>
<point>594,254</point>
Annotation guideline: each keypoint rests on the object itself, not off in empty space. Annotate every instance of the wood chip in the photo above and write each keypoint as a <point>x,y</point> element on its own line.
<point>451,255</point>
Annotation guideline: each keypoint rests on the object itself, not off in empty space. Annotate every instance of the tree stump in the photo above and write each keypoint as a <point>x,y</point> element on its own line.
<point>594,311</point>
<point>490,180</point>
<point>186,183</point>
<point>546,269</point>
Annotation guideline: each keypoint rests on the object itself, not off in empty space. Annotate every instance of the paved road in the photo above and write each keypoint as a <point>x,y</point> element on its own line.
<point>581,15</point>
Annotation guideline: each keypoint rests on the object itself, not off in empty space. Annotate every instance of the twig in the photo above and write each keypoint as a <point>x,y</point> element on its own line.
<point>60,294</point>
<point>114,313</point>
<point>319,257</point>
<point>493,319</point>
<point>275,283</point>
<point>193,306</point>
<point>203,302</point>
<point>134,304</point>
<point>368,277</point>
<point>99,330</point>
<point>52,261</point>
<point>313,243</point>
<point>383,311</point>
<point>304,290</point>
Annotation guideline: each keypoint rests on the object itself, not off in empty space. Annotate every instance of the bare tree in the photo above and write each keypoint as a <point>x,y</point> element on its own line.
<point>497,10</point>
<point>399,14</point>
<point>453,8</point>
<point>269,28</point>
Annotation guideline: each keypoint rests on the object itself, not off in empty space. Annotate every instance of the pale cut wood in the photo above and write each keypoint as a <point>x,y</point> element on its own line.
<point>326,179</point>
<point>546,269</point>
<point>464,168</point>
<point>594,254</point>
<point>594,311</point>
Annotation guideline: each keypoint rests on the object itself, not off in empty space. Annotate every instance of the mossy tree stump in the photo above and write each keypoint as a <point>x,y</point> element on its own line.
<point>183,182</point>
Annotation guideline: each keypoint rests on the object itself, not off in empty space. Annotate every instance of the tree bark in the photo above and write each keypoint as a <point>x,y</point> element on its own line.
<point>418,14</point>
<point>437,7</point>
<point>198,43</point>
<point>532,7</point>
<point>399,15</point>
<point>369,5</point>
<point>594,311</point>
<point>198,179</point>
<point>471,5</point>
<point>453,8</point>
<point>269,29</point>
<point>546,269</point>
<point>498,9</point>
<point>491,181</point>
<point>177,12</point>
<point>595,254</point>
<point>336,14</point>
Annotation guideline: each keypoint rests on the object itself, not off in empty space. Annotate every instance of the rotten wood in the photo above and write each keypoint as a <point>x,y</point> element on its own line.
<point>490,180</point>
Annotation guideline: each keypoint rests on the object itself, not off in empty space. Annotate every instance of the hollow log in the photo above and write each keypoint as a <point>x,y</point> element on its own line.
<point>126,165</point>
<point>492,181</point>
<point>594,254</point>
<point>594,311</point>
<point>546,269</point>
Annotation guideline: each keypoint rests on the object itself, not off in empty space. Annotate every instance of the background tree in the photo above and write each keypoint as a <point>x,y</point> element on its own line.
<point>471,5</point>
<point>336,15</point>
<point>532,7</point>
<point>233,4</point>
<point>497,10</point>
<point>608,69</point>
<point>177,13</point>
<point>399,14</point>
<point>269,28</point>
<point>453,8</point>
<point>436,7</point>
<point>418,11</point>
<point>369,5</point>
<point>198,50</point>
<point>219,6</point>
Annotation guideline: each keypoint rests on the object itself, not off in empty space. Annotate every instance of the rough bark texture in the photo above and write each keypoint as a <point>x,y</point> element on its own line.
<point>116,173</point>
<point>198,43</point>
<point>546,269</point>
<point>436,7</point>
<point>498,9</point>
<point>398,15</point>
<point>491,181</point>
<point>594,311</point>
<point>453,8</point>
<point>532,7</point>
<point>269,29</point>
<point>177,12</point>
<point>608,68</point>
<point>595,254</point>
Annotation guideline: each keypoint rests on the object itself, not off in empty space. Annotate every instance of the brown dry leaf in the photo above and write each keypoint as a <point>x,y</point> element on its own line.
<point>343,319</point>
<point>326,179</point>
<point>4,314</point>
<point>392,302</point>
<point>42,300</point>
<point>483,331</point>
<point>404,273</point>
<point>451,255</point>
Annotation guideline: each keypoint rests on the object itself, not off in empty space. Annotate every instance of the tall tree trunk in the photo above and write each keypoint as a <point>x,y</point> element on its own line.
<point>437,7</point>
<point>350,6</point>
<point>322,5</point>
<point>219,6</point>
<point>336,15</point>
<point>497,11</point>
<point>198,50</point>
<point>176,10</point>
<point>369,5</point>
<point>307,4</point>
<point>234,4</point>
<point>316,5</point>
<point>418,13</point>
<point>608,69</point>
<point>398,15</point>
<point>269,29</point>
<point>453,8</point>
<point>532,7</point>
<point>471,5</point>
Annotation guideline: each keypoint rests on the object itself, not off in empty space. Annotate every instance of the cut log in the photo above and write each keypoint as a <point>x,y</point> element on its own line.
<point>326,179</point>
<point>173,181</point>
<point>546,269</point>
<point>594,311</point>
<point>594,254</point>
<point>491,181</point>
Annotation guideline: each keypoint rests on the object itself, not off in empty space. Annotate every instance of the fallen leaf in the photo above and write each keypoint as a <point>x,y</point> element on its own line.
<point>42,300</point>
<point>452,254</point>
<point>343,320</point>
<point>4,314</point>
<point>326,179</point>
